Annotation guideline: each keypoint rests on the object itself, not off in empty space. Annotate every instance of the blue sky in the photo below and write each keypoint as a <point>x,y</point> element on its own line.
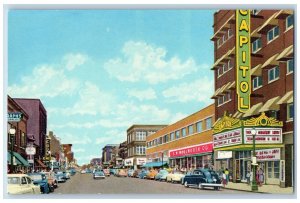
<point>97,72</point>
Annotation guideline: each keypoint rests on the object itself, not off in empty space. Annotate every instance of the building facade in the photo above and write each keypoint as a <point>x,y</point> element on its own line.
<point>17,143</point>
<point>136,144</point>
<point>185,144</point>
<point>107,154</point>
<point>68,154</point>
<point>271,79</point>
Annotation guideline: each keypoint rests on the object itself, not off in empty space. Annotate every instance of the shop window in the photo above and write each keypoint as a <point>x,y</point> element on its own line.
<point>177,134</point>
<point>273,33</point>
<point>290,65</point>
<point>257,82</point>
<point>273,169</point>
<point>199,126</point>
<point>191,130</point>
<point>289,21</point>
<point>273,74</point>
<point>256,45</point>
<point>208,123</point>
<point>183,132</point>
<point>290,111</point>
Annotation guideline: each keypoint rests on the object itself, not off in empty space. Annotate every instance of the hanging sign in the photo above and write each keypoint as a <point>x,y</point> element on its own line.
<point>243,56</point>
<point>14,116</point>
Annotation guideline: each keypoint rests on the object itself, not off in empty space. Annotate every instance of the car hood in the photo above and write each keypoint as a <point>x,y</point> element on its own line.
<point>40,182</point>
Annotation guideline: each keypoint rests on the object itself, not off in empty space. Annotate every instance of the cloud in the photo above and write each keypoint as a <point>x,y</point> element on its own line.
<point>144,62</point>
<point>45,81</point>
<point>198,90</point>
<point>78,150</point>
<point>72,60</point>
<point>141,95</point>
<point>67,138</point>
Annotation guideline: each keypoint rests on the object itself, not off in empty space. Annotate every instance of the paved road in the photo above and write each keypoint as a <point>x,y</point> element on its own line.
<point>85,184</point>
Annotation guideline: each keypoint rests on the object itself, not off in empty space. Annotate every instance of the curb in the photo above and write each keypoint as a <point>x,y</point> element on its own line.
<point>226,188</point>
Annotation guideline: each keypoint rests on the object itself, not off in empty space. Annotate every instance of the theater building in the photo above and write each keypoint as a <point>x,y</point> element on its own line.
<point>254,84</point>
<point>185,144</point>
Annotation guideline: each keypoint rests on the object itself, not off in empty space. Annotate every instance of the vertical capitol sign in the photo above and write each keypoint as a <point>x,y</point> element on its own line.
<point>243,59</point>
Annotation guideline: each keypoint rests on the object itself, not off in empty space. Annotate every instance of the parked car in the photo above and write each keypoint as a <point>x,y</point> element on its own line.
<point>122,173</point>
<point>135,173</point>
<point>51,180</point>
<point>88,170</point>
<point>161,175</point>
<point>175,177</point>
<point>83,172</point>
<point>41,180</point>
<point>152,174</point>
<point>60,177</point>
<point>130,172</point>
<point>67,174</point>
<point>186,173</point>
<point>203,178</point>
<point>72,171</point>
<point>106,172</point>
<point>21,184</point>
<point>143,173</point>
<point>98,174</point>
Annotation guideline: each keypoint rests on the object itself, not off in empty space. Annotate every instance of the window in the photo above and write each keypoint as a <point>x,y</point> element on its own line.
<point>257,82</point>
<point>290,111</point>
<point>183,132</point>
<point>289,21</point>
<point>256,45</point>
<point>172,136</point>
<point>23,140</point>
<point>273,33</point>
<point>208,123</point>
<point>229,64</point>
<point>140,135</point>
<point>290,65</point>
<point>273,74</point>
<point>199,126</point>
<point>230,33</point>
<point>273,169</point>
<point>140,150</point>
<point>166,138</point>
<point>219,42</point>
<point>220,100</point>
<point>219,71</point>
<point>255,12</point>
<point>224,68</point>
<point>224,38</point>
<point>191,130</point>
<point>177,134</point>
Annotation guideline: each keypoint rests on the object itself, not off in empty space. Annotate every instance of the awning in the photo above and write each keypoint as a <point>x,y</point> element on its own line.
<point>271,22</point>
<point>216,93</point>
<point>255,34</point>
<point>291,100</point>
<point>231,86</point>
<point>254,110</point>
<point>19,159</point>
<point>271,104</point>
<point>154,164</point>
<point>223,29</point>
<point>42,165</point>
<point>224,57</point>
<point>286,54</point>
<point>224,88</point>
<point>256,71</point>
<point>282,14</point>
<point>271,61</point>
<point>285,98</point>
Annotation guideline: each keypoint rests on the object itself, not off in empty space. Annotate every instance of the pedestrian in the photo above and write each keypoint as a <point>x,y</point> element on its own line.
<point>227,175</point>
<point>224,179</point>
<point>248,175</point>
<point>260,177</point>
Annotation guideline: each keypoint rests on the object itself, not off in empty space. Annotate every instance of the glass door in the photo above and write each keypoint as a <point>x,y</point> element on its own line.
<point>272,172</point>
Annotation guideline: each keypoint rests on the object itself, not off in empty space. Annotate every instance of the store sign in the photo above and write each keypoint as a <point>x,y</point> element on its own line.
<point>196,149</point>
<point>47,147</point>
<point>140,161</point>
<point>282,171</point>
<point>30,150</point>
<point>243,56</point>
<point>14,116</point>
<point>128,162</point>
<point>229,138</point>
<point>224,154</point>
<point>263,136</point>
<point>30,161</point>
<point>268,154</point>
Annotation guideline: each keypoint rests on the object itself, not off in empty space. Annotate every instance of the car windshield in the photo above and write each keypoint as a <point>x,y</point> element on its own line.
<point>13,180</point>
<point>36,177</point>
<point>207,174</point>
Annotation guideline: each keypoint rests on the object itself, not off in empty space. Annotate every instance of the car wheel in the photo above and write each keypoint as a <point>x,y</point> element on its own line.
<point>186,184</point>
<point>200,186</point>
<point>217,188</point>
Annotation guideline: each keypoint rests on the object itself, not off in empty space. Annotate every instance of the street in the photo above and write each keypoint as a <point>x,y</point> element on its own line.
<point>85,184</point>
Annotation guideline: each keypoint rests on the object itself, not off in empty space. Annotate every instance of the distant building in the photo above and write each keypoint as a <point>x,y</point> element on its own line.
<point>95,161</point>
<point>107,153</point>
<point>55,147</point>
<point>68,154</point>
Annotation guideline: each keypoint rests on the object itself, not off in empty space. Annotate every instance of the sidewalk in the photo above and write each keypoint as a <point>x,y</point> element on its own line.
<point>271,189</point>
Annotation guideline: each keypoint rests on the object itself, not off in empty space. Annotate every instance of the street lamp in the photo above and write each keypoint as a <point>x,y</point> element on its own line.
<point>162,159</point>
<point>254,186</point>
<point>12,133</point>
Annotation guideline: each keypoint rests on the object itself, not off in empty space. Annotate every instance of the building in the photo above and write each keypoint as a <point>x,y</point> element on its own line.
<point>36,126</point>
<point>260,98</point>
<point>184,144</point>
<point>107,154</point>
<point>95,161</point>
<point>116,160</point>
<point>136,144</point>
<point>54,148</point>
<point>17,143</point>
<point>123,151</point>
<point>68,154</point>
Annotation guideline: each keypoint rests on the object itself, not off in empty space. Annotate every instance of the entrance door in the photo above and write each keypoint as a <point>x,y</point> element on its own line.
<point>272,172</point>
<point>245,165</point>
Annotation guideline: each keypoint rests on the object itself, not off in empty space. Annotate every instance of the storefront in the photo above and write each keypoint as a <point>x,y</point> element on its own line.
<point>236,136</point>
<point>196,156</point>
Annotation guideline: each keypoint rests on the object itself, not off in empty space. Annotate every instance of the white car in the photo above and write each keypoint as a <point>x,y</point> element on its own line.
<point>21,184</point>
<point>83,172</point>
<point>175,177</point>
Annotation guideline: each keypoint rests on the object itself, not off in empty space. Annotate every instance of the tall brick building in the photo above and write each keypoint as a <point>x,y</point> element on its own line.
<point>271,81</point>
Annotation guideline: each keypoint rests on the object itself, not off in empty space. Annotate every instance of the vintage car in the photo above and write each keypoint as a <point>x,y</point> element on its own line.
<point>21,184</point>
<point>98,174</point>
<point>106,172</point>
<point>60,177</point>
<point>41,180</point>
<point>67,174</point>
<point>113,171</point>
<point>122,173</point>
<point>175,177</point>
<point>143,173</point>
<point>130,172</point>
<point>72,171</point>
<point>83,172</point>
<point>51,180</point>
<point>135,173</point>
<point>152,174</point>
<point>203,178</point>
<point>162,175</point>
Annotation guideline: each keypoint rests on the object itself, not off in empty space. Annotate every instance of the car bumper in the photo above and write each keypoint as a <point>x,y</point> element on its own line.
<point>211,185</point>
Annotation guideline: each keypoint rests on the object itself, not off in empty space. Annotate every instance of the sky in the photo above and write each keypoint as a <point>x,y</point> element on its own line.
<point>98,72</point>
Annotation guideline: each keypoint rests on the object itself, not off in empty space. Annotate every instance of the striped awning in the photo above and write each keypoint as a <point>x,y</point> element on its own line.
<point>256,71</point>
<point>283,14</point>
<point>223,29</point>
<point>216,93</point>
<point>286,54</point>
<point>224,88</point>
<point>285,98</point>
<point>271,61</point>
<point>271,104</point>
<point>255,34</point>
<point>225,57</point>
<point>271,22</point>
<point>254,110</point>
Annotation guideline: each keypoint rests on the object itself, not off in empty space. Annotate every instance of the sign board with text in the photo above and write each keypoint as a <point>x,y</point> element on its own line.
<point>140,161</point>
<point>229,138</point>
<point>30,150</point>
<point>268,154</point>
<point>224,154</point>
<point>263,136</point>
<point>128,162</point>
<point>14,116</point>
<point>192,150</point>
